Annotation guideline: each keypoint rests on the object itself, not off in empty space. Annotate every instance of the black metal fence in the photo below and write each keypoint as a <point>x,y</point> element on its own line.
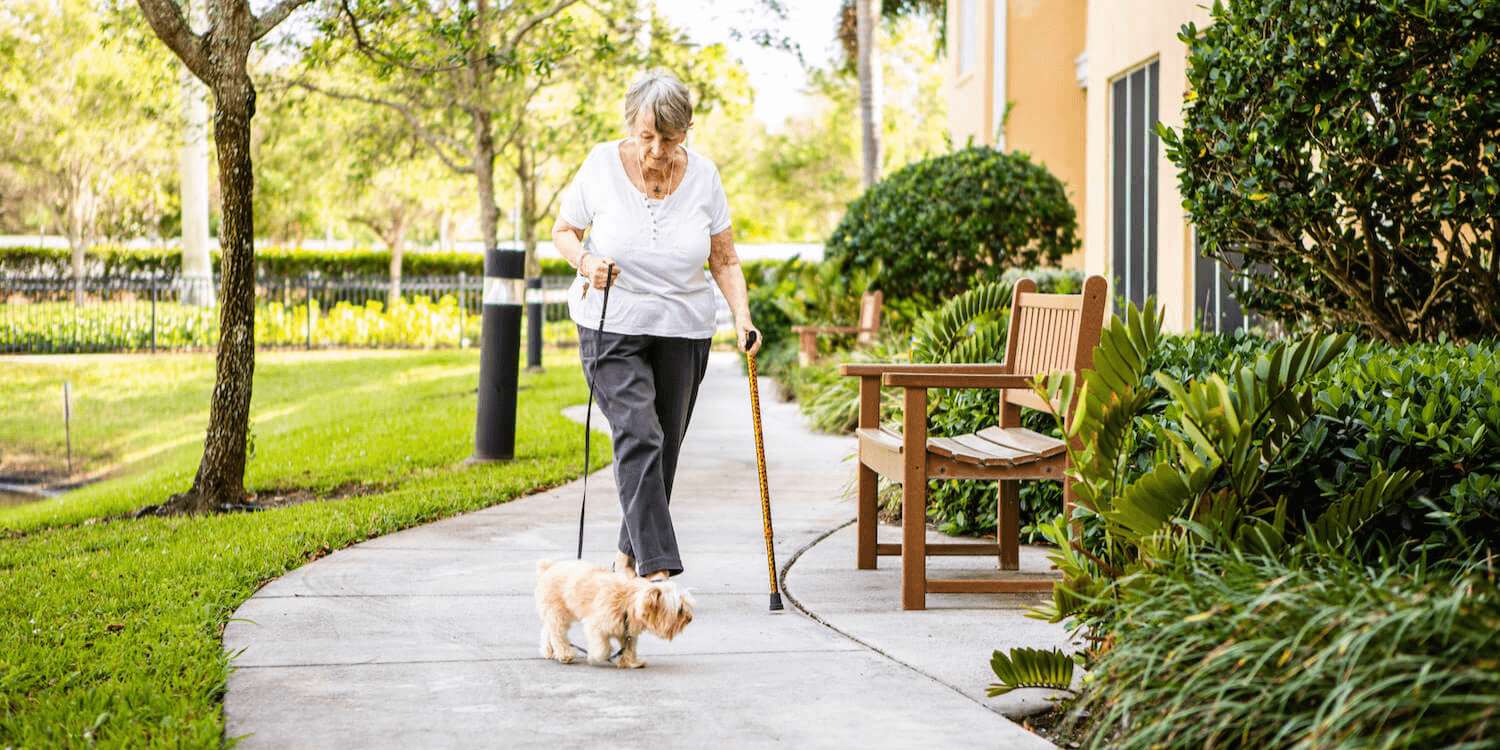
<point>40,315</point>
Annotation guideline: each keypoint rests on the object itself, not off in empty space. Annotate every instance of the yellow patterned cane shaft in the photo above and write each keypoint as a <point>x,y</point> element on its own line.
<point>760,465</point>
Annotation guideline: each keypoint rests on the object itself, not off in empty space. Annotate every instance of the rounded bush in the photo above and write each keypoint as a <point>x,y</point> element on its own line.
<point>940,226</point>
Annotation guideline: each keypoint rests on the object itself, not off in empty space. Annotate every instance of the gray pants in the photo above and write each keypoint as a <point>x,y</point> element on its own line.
<point>646,387</point>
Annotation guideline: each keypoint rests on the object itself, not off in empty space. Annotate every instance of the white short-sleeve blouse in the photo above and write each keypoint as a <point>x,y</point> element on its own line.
<point>659,245</point>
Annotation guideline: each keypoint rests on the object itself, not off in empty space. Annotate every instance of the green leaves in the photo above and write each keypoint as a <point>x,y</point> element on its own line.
<point>968,328</point>
<point>943,225</point>
<point>1333,157</point>
<point>1030,668</point>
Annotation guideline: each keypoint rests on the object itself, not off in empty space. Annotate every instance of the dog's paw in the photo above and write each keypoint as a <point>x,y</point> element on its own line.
<point>629,663</point>
<point>566,656</point>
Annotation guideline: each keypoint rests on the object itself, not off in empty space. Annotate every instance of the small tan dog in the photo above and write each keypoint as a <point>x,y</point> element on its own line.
<point>613,607</point>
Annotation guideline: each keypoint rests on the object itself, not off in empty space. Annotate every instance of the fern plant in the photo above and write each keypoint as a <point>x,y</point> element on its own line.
<point>1217,440</point>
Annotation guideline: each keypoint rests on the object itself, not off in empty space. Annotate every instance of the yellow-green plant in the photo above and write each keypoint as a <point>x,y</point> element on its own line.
<point>1206,487</point>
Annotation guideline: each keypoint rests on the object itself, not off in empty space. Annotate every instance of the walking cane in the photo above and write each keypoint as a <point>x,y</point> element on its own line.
<point>760,465</point>
<point>588,416</point>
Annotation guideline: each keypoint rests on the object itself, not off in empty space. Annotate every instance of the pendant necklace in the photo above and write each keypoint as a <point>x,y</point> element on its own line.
<point>641,165</point>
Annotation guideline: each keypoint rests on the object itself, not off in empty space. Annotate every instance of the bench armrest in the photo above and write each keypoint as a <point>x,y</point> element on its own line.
<point>878,369</point>
<point>829,329</point>
<point>957,380</point>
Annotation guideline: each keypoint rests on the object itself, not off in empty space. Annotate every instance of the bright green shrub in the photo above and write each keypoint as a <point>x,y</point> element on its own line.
<point>1347,149</point>
<point>1431,408</point>
<point>940,226</point>
<point>1300,652</point>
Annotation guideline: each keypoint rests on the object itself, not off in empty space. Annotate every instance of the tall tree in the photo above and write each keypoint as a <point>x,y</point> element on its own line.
<point>220,58</point>
<point>868,26</point>
<point>475,81</point>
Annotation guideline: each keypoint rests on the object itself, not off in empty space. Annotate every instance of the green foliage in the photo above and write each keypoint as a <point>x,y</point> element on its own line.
<point>1432,409</point>
<point>1346,148</point>
<point>112,631</point>
<point>1300,651</point>
<point>1217,439</point>
<point>942,225</point>
<point>1030,668</point>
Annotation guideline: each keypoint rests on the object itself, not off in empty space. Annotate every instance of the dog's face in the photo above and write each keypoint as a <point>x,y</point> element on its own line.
<point>664,608</point>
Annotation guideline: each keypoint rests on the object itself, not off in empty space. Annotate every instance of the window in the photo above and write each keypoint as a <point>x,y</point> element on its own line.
<point>1133,157</point>
<point>1213,292</point>
<point>968,36</point>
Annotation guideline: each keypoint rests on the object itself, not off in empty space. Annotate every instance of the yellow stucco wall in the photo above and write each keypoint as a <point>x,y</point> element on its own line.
<point>969,94</point>
<point>1042,39</point>
<point>1047,118</point>
<point>1123,35</point>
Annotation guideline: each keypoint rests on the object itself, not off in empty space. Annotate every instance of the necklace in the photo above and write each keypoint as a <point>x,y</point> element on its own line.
<point>641,165</point>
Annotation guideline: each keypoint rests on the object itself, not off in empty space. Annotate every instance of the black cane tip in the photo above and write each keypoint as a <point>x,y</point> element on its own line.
<point>776,602</point>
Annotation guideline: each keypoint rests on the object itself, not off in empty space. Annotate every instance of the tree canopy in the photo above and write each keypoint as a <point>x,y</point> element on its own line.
<point>1341,156</point>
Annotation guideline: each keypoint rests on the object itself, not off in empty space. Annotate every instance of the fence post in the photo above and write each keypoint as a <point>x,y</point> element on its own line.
<point>309,310</point>
<point>153,314</point>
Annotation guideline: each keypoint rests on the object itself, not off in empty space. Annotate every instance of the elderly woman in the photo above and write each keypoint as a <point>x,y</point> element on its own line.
<point>654,213</point>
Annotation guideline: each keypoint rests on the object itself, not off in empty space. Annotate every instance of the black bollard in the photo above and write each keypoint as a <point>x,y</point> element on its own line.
<point>499,356</point>
<point>534,324</point>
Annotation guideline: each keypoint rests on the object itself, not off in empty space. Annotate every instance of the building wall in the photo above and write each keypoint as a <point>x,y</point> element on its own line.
<point>1123,35</point>
<point>1047,117</point>
<point>970,93</point>
<point>1034,69</point>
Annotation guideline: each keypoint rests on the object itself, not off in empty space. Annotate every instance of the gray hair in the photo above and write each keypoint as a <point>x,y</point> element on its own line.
<point>659,92</point>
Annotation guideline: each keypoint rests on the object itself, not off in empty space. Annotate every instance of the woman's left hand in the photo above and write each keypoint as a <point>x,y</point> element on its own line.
<point>742,331</point>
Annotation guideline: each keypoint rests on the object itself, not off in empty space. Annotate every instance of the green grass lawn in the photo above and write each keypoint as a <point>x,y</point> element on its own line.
<point>110,631</point>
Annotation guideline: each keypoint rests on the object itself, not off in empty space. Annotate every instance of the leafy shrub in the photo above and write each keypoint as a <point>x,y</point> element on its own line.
<point>940,226</point>
<point>1346,148</point>
<point>1429,408</point>
<point>1305,651</point>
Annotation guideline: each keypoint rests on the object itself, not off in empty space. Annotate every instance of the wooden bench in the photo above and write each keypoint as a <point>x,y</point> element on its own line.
<point>1048,333</point>
<point>869,325</point>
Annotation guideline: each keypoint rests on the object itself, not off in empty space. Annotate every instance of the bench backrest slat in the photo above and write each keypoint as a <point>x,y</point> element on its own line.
<point>1053,332</point>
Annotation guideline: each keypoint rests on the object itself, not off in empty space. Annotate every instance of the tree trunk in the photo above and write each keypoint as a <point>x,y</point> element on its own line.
<point>80,211</point>
<point>526,216</point>
<point>868,19</point>
<point>197,278</point>
<point>396,243</point>
<point>484,175</point>
<point>221,474</point>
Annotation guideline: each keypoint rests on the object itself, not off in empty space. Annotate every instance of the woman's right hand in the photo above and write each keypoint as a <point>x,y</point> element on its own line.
<point>599,271</point>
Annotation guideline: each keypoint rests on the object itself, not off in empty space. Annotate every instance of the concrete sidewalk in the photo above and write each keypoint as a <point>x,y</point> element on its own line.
<point>428,638</point>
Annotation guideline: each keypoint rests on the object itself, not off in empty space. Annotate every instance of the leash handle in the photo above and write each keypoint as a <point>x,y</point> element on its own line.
<point>760,466</point>
<point>588,417</point>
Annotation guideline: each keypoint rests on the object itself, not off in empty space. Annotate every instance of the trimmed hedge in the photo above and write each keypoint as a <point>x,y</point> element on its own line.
<point>938,227</point>
<point>112,261</point>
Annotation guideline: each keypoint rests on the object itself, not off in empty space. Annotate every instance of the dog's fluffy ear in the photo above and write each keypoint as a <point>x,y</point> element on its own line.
<point>543,565</point>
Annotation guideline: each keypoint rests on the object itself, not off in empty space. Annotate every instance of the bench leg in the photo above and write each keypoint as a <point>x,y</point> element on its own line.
<point>1008,525</point>
<point>807,349</point>
<point>869,520</point>
<point>914,545</point>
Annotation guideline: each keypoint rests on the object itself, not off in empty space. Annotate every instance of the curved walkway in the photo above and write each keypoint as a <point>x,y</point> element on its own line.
<point>428,638</point>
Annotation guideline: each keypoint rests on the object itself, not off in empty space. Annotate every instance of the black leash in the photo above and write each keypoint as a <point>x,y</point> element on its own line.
<point>588,418</point>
